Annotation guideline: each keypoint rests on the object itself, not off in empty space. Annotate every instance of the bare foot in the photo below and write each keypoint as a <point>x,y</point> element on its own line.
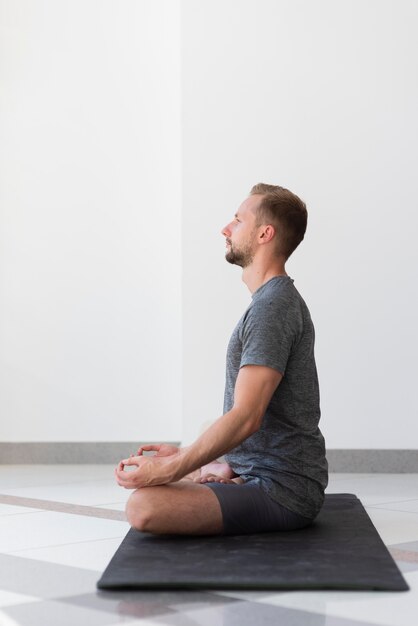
<point>194,476</point>
<point>213,478</point>
<point>216,468</point>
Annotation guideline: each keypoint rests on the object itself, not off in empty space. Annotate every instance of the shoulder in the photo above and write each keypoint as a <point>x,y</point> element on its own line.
<point>276,296</point>
<point>278,306</point>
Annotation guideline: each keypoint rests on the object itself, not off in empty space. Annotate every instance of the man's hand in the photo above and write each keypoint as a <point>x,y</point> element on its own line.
<point>162,449</point>
<point>150,470</point>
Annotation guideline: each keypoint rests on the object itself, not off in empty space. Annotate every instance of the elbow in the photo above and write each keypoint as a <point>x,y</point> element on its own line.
<point>251,421</point>
<point>254,425</point>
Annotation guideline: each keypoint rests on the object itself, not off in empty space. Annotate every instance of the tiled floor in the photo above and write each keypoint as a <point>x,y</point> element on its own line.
<point>60,526</point>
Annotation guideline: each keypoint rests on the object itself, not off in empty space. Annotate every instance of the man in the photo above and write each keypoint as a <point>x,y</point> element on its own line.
<point>275,472</point>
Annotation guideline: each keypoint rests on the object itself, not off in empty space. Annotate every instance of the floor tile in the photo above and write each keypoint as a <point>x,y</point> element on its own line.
<point>384,608</point>
<point>116,506</point>
<point>394,526</point>
<point>8,509</point>
<point>407,567</point>
<point>62,507</point>
<point>91,492</point>
<point>61,614</point>
<point>406,545</point>
<point>247,613</point>
<point>408,506</point>
<point>373,489</point>
<point>44,529</point>
<point>405,555</point>
<point>8,598</point>
<point>43,580</point>
<point>150,604</point>
<point>91,555</point>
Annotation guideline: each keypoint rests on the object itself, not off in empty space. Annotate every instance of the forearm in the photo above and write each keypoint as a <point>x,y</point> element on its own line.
<point>253,391</point>
<point>226,433</point>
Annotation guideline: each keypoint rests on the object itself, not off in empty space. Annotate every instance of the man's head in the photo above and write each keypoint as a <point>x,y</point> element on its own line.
<point>285,212</point>
<point>272,216</point>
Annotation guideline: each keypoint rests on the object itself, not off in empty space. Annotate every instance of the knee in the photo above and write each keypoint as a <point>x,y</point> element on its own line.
<point>138,511</point>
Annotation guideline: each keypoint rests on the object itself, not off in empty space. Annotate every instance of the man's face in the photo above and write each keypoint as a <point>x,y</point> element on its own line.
<point>241,232</point>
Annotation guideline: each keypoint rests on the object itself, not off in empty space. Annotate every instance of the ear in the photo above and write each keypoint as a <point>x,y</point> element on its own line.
<point>267,233</point>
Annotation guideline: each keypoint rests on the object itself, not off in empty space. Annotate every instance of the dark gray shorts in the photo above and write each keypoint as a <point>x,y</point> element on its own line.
<point>247,509</point>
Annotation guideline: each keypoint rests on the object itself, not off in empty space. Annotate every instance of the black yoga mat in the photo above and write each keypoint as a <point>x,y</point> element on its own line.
<point>340,550</point>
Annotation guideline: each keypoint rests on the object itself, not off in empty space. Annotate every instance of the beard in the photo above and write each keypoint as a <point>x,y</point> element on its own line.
<point>240,256</point>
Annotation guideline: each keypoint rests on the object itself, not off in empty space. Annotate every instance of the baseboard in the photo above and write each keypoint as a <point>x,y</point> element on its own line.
<point>340,461</point>
<point>371,461</point>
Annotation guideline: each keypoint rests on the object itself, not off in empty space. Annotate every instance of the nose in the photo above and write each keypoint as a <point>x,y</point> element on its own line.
<point>226,231</point>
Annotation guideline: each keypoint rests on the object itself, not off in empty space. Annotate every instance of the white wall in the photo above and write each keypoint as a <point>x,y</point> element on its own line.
<point>90,277</point>
<point>317,96</point>
<point>320,97</point>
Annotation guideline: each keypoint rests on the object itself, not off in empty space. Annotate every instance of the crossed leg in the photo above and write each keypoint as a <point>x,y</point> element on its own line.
<point>183,508</point>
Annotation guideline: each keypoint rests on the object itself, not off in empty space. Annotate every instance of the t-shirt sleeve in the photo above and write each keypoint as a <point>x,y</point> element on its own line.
<point>267,336</point>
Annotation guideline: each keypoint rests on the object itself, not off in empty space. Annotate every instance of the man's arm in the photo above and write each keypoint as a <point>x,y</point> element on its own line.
<point>253,391</point>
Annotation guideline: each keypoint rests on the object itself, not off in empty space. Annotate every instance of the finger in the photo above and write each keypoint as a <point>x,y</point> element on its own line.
<point>124,479</point>
<point>120,474</point>
<point>151,447</point>
<point>133,460</point>
<point>120,482</point>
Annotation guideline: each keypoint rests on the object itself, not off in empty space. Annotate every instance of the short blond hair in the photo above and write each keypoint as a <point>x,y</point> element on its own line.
<point>286,212</point>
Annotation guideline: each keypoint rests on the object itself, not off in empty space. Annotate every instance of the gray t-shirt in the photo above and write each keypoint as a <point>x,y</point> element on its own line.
<point>286,456</point>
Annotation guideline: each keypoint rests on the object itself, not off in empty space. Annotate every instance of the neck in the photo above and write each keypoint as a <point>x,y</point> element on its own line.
<point>256,274</point>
